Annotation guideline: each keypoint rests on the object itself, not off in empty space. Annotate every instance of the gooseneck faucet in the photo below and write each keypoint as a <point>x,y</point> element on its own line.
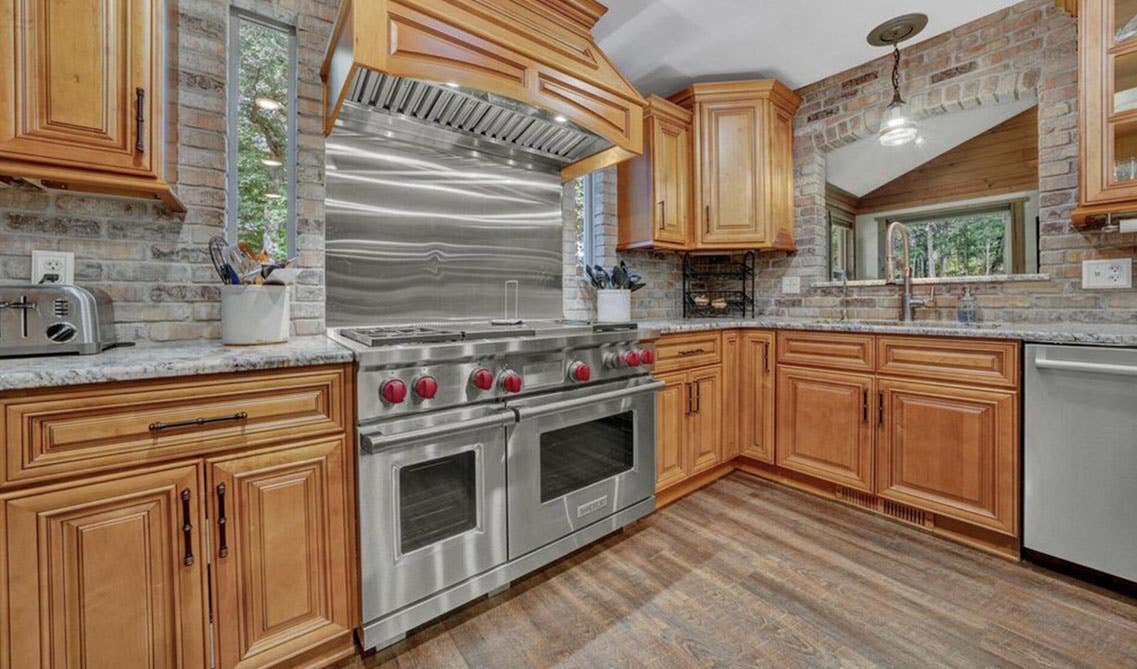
<point>907,302</point>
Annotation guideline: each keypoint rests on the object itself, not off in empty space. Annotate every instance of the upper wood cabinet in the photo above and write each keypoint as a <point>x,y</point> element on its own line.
<point>1107,85</point>
<point>83,95</point>
<point>540,53</point>
<point>743,165</point>
<point>654,202</point>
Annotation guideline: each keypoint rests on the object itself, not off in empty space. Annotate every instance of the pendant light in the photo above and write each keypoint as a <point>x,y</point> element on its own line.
<point>897,127</point>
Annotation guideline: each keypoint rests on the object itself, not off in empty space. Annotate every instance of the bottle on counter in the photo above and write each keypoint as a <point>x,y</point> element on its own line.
<point>968,310</point>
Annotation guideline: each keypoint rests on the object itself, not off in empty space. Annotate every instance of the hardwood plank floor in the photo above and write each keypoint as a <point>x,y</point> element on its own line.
<point>750,573</point>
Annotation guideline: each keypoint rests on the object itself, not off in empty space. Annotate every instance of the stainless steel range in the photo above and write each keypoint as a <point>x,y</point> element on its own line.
<point>488,450</point>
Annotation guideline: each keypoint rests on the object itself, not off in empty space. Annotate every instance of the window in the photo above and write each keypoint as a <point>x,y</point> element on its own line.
<point>585,240</point>
<point>262,134</point>
<point>842,244</point>
<point>964,242</point>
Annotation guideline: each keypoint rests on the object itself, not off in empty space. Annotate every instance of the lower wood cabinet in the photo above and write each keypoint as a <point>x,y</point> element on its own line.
<point>950,450</point>
<point>754,395</point>
<point>825,425</point>
<point>109,573</point>
<point>688,425</point>
<point>671,460</point>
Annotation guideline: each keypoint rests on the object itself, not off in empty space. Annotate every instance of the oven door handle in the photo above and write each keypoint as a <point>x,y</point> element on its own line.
<point>524,413</point>
<point>377,441</point>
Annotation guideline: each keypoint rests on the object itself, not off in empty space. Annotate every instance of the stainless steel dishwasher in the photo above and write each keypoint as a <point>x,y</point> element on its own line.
<point>1080,456</point>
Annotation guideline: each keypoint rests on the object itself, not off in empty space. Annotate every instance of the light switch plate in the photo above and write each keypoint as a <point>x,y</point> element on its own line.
<point>791,285</point>
<point>1113,273</point>
<point>59,263</point>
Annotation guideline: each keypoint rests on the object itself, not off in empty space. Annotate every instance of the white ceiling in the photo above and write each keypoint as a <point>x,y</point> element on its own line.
<point>661,45</point>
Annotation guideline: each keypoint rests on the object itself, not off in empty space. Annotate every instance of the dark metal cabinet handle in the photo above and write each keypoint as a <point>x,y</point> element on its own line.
<point>687,390</point>
<point>766,356</point>
<point>139,119</point>
<point>698,397</point>
<point>663,215</point>
<point>708,218</point>
<point>694,351</point>
<point>880,408</point>
<point>194,422</point>
<point>187,528</point>
<point>223,545</point>
<point>865,407</point>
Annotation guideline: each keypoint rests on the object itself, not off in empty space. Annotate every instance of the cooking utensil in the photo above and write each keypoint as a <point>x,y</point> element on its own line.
<point>620,276</point>
<point>218,253</point>
<point>602,275</point>
<point>592,278</point>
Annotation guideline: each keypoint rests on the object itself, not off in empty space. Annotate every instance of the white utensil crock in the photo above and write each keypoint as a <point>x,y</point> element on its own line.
<point>613,305</point>
<point>254,315</point>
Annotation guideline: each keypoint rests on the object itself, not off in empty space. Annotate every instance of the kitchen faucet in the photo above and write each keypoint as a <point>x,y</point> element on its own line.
<point>907,302</point>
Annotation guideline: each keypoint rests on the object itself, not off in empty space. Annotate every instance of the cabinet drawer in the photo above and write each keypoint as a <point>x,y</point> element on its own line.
<point>684,351</point>
<point>68,432</point>
<point>973,361</point>
<point>833,350</point>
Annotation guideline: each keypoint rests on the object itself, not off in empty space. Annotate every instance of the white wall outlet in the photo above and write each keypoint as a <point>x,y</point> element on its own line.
<point>791,285</point>
<point>1115,273</point>
<point>58,263</point>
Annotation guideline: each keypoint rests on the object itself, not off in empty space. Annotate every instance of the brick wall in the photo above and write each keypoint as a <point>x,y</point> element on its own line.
<point>154,263</point>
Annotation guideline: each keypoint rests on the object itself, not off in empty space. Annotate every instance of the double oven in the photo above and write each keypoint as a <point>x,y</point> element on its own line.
<point>459,493</point>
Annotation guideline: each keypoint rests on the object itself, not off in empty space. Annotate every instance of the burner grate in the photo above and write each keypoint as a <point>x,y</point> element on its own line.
<point>387,336</point>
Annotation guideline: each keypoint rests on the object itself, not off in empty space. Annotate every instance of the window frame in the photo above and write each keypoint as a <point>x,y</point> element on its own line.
<point>233,102</point>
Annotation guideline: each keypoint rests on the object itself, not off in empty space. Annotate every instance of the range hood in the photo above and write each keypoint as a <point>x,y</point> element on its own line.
<point>525,75</point>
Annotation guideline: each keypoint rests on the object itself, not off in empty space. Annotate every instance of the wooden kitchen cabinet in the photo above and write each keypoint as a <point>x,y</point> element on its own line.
<point>704,424</point>
<point>950,450</point>
<point>671,463</point>
<point>106,573</point>
<point>83,95</point>
<point>732,378</point>
<point>654,199</point>
<point>281,522</point>
<point>825,425</point>
<point>754,394</point>
<point>743,165</point>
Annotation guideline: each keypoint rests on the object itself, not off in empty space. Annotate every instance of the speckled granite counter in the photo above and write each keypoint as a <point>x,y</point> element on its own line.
<point>132,363</point>
<point>1096,334</point>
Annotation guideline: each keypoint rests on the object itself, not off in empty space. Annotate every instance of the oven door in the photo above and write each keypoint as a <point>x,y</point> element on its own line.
<point>432,504</point>
<point>578,457</point>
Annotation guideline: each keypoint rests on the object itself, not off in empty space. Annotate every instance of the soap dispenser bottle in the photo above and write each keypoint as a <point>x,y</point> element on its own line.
<point>968,310</point>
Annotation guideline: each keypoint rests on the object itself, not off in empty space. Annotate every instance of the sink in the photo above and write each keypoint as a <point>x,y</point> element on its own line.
<point>915,324</point>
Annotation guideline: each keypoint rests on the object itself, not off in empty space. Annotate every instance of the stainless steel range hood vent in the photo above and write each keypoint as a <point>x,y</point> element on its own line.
<point>488,117</point>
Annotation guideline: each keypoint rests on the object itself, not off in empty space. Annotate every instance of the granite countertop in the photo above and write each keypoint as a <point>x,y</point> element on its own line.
<point>151,362</point>
<point>1096,334</point>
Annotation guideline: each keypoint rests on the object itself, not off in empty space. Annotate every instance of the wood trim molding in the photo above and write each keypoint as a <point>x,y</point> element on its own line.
<point>1070,6</point>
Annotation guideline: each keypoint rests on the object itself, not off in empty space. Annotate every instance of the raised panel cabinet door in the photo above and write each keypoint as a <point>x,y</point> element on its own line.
<point>756,396</point>
<point>79,83</point>
<point>825,425</point>
<point>671,409</point>
<point>778,223</point>
<point>107,574</point>
<point>732,376</point>
<point>732,173</point>
<point>704,425</point>
<point>950,450</point>
<point>671,145</point>
<point>281,565</point>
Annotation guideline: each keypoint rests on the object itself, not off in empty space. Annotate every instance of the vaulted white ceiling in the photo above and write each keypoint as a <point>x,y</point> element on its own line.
<point>661,45</point>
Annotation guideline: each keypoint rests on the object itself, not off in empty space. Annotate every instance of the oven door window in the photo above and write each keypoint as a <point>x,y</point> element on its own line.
<point>578,456</point>
<point>437,500</point>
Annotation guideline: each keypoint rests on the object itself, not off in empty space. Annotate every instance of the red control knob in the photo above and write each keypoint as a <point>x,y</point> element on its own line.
<point>393,391</point>
<point>647,357</point>
<point>426,387</point>
<point>482,379</point>
<point>631,359</point>
<point>580,372</point>
<point>511,382</point>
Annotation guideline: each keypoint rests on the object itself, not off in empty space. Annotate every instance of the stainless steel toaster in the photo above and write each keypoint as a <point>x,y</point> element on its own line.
<point>51,319</point>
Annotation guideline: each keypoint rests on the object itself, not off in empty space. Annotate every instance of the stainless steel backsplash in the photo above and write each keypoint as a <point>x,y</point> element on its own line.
<point>426,228</point>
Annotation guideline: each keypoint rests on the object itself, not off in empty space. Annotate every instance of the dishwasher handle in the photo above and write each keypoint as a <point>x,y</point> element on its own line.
<point>1041,362</point>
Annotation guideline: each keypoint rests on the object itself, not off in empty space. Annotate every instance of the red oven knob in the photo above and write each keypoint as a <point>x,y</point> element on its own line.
<point>631,359</point>
<point>511,382</point>
<point>647,357</point>
<point>482,379</point>
<point>426,387</point>
<point>580,372</point>
<point>393,391</point>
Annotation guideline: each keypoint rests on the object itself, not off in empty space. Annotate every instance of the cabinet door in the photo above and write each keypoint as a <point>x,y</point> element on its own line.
<point>950,450</point>
<point>732,173</point>
<point>778,221</point>
<point>671,144</point>
<point>825,423</point>
<point>756,396</point>
<point>73,72</point>
<point>107,574</point>
<point>671,409</point>
<point>280,547</point>
<point>732,378</point>
<point>704,425</point>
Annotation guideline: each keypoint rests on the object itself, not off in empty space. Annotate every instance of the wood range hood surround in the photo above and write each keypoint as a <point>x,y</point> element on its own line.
<point>538,52</point>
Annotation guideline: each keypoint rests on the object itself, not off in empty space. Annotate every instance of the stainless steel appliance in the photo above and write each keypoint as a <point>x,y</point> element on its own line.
<point>54,319</point>
<point>1080,456</point>
<point>487,451</point>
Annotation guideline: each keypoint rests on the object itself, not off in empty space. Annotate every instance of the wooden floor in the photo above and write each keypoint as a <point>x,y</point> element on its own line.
<point>749,573</point>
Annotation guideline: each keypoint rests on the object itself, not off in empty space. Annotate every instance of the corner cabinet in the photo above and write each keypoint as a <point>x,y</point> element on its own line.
<point>743,167</point>
<point>655,193</point>
<point>83,95</point>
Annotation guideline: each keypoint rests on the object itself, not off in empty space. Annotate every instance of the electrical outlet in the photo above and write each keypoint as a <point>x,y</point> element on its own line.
<point>58,263</point>
<point>1115,273</point>
<point>791,285</point>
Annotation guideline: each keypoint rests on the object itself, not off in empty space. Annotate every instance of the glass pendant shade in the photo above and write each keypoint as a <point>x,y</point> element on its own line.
<point>896,126</point>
